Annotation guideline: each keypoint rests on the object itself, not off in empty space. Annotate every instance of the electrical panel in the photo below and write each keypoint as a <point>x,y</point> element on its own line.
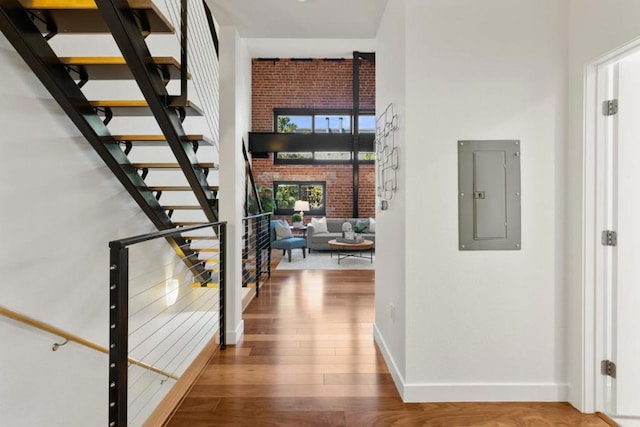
<point>489,195</point>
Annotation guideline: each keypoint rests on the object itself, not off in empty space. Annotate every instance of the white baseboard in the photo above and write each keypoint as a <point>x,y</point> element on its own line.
<point>487,392</point>
<point>391,364</point>
<point>469,392</point>
<point>234,336</point>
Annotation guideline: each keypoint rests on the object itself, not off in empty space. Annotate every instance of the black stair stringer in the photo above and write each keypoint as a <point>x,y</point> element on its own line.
<point>36,52</point>
<point>125,31</point>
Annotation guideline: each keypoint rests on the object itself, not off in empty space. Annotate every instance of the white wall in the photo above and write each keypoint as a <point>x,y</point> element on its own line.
<point>391,224</point>
<point>60,208</point>
<point>596,29</point>
<point>485,325</point>
<point>235,121</point>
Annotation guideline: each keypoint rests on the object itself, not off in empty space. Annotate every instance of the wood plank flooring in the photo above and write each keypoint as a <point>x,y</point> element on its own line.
<point>308,359</point>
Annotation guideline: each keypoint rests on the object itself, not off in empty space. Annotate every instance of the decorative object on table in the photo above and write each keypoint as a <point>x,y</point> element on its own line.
<point>361,226</point>
<point>346,227</point>
<point>296,220</point>
<point>349,235</point>
<point>301,205</point>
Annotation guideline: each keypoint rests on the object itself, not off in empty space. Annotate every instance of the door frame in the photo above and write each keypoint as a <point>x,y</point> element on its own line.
<point>594,214</point>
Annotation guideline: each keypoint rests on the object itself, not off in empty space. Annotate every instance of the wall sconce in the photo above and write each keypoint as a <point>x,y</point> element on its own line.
<point>171,289</point>
<point>301,205</point>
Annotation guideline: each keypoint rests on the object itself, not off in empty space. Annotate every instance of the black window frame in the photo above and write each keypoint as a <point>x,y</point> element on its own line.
<point>291,211</point>
<point>313,112</point>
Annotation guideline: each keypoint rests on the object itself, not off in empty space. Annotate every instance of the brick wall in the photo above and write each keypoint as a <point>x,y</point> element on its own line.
<point>313,84</point>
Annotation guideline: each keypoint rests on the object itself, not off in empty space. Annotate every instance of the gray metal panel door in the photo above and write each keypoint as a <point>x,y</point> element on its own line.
<point>489,195</point>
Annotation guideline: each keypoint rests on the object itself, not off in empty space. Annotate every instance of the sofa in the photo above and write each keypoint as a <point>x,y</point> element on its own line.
<point>320,241</point>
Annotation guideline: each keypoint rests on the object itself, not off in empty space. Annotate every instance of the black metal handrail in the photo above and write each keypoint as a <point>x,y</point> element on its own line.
<point>119,309</point>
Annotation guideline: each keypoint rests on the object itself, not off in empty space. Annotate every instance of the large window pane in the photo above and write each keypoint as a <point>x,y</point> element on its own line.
<point>367,124</point>
<point>367,156</point>
<point>294,124</point>
<point>286,195</point>
<point>287,192</point>
<point>296,156</point>
<point>332,124</point>
<point>314,194</point>
<point>333,155</point>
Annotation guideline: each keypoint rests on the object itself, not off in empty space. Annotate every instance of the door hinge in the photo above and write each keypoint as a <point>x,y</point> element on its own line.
<point>607,367</point>
<point>610,108</point>
<point>609,238</point>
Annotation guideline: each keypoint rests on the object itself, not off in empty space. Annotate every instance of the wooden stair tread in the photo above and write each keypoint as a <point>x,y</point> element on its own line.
<point>205,165</point>
<point>116,68</point>
<point>209,285</point>
<point>159,140</point>
<point>200,237</point>
<point>138,107</point>
<point>83,16</point>
<point>177,188</point>
<point>182,207</point>
<point>206,249</point>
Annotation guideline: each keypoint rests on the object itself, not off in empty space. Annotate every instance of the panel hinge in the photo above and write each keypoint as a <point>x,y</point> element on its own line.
<point>609,238</point>
<point>610,108</point>
<point>607,367</point>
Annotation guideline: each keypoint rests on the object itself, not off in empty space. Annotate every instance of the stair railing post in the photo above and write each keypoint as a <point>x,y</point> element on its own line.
<point>222,312</point>
<point>184,16</point>
<point>118,333</point>
<point>267,241</point>
<point>258,249</point>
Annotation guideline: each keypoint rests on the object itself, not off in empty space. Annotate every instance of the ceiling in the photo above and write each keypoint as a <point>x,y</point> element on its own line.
<point>296,19</point>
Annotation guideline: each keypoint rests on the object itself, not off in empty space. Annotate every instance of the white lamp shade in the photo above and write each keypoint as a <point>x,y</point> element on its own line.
<point>301,205</point>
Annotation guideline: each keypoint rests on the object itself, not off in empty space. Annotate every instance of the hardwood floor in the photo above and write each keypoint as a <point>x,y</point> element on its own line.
<point>308,359</point>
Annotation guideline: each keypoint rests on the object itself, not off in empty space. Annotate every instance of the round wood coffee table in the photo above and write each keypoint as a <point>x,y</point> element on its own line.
<point>355,250</point>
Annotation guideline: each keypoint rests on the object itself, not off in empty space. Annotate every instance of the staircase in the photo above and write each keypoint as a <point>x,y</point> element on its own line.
<point>141,139</point>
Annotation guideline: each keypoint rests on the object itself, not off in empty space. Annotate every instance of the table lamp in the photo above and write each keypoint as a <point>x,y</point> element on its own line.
<point>301,205</point>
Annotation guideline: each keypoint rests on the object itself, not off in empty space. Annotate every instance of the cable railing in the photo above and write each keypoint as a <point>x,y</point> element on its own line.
<point>252,202</point>
<point>162,314</point>
<point>256,253</point>
<point>201,56</point>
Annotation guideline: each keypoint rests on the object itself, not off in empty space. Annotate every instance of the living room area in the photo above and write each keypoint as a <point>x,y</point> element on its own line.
<point>312,158</point>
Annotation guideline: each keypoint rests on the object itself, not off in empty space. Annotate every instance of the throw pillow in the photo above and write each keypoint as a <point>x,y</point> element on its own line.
<point>362,224</point>
<point>319,225</point>
<point>372,225</point>
<point>282,230</point>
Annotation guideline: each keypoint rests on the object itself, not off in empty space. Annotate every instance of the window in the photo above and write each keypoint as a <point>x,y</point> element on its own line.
<point>322,121</point>
<point>287,192</point>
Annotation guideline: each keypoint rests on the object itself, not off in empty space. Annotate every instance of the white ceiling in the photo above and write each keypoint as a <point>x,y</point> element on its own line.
<point>295,19</point>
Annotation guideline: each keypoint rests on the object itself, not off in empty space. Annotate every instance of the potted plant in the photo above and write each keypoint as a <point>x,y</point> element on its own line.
<point>296,220</point>
<point>359,229</point>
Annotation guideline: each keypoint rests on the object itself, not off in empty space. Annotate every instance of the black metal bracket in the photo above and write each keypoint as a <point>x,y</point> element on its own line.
<point>49,24</point>
<point>143,172</point>
<point>81,72</point>
<point>128,146</point>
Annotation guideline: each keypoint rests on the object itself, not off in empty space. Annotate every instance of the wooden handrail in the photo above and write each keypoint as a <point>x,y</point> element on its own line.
<point>79,340</point>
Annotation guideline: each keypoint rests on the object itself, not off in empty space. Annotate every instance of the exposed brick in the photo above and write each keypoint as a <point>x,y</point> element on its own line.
<point>313,84</point>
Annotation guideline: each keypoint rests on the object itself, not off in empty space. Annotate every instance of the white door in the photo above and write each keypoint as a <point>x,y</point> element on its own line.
<point>623,263</point>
